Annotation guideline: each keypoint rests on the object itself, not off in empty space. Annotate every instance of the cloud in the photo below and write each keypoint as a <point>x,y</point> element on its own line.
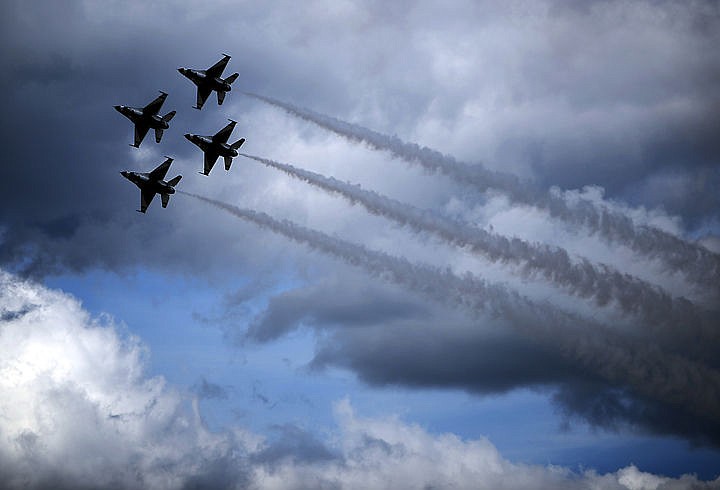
<point>620,96</point>
<point>77,411</point>
<point>446,348</point>
<point>677,383</point>
<point>604,221</point>
<point>388,453</point>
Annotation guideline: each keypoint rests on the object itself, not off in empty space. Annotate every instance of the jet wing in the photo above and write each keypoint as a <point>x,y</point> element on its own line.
<point>210,159</point>
<point>146,198</point>
<point>161,170</point>
<point>154,106</point>
<point>216,70</point>
<point>140,132</point>
<point>223,135</point>
<point>202,94</point>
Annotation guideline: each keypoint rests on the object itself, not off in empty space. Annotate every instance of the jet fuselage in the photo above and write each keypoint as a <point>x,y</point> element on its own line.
<point>136,114</point>
<point>144,182</point>
<point>199,77</point>
<point>206,143</point>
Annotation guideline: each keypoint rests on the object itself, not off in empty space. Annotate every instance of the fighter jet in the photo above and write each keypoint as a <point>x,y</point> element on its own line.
<point>151,183</point>
<point>216,145</point>
<point>209,80</point>
<point>147,117</point>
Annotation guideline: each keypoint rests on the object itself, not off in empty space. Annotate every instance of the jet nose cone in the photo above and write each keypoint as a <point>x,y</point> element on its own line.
<point>125,173</point>
<point>117,107</point>
<point>188,136</point>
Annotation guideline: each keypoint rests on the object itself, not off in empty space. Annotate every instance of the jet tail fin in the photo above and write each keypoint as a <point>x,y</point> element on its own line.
<point>231,78</point>
<point>168,117</point>
<point>165,199</point>
<point>228,162</point>
<point>221,96</point>
<point>174,182</point>
<point>158,135</point>
<point>237,144</point>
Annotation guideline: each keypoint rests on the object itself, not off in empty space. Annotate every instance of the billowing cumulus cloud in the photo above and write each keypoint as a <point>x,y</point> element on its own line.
<point>77,411</point>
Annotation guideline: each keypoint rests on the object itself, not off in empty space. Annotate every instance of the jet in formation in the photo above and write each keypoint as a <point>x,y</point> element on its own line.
<point>216,146</point>
<point>209,80</point>
<point>147,117</point>
<point>151,183</point>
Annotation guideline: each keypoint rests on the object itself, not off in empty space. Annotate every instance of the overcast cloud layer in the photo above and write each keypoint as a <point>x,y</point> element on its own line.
<point>616,103</point>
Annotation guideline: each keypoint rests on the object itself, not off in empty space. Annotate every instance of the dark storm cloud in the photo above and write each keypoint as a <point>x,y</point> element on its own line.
<point>616,409</point>
<point>602,283</point>
<point>66,64</point>
<point>443,349</point>
<point>62,203</point>
<point>622,94</point>
<point>630,362</point>
<point>312,306</point>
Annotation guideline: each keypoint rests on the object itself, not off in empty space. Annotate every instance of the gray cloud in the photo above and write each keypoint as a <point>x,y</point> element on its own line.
<point>86,416</point>
<point>445,349</point>
<point>602,283</point>
<point>698,263</point>
<point>294,444</point>
<point>614,93</point>
<point>634,364</point>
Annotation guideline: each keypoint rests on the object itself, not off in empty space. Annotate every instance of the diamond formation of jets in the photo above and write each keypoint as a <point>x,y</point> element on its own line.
<point>147,117</point>
<point>215,146</point>
<point>209,80</point>
<point>151,183</point>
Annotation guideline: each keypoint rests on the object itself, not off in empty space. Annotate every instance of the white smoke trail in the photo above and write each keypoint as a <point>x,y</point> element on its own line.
<point>697,263</point>
<point>620,360</point>
<point>601,283</point>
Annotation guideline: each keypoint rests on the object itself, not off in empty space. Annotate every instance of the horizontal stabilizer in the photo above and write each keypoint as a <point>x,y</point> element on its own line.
<point>237,144</point>
<point>174,182</point>
<point>168,117</point>
<point>228,162</point>
<point>232,78</point>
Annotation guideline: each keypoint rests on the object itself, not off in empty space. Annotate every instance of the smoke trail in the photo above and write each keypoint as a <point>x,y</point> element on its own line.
<point>602,283</point>
<point>651,372</point>
<point>696,262</point>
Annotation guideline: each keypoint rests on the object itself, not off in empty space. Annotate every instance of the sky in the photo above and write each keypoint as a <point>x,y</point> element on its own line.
<point>469,244</point>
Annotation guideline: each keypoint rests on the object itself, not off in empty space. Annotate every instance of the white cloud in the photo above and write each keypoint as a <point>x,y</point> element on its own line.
<point>388,453</point>
<point>75,405</point>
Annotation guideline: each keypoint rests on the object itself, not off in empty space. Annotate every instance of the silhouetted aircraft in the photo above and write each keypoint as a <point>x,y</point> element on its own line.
<point>216,146</point>
<point>152,183</point>
<point>209,80</point>
<point>147,117</point>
